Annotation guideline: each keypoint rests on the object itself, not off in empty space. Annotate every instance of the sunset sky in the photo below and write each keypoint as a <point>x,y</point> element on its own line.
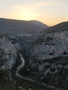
<point>49,12</point>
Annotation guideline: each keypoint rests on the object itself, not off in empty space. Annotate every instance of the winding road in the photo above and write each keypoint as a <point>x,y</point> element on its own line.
<point>48,87</point>
<point>20,67</point>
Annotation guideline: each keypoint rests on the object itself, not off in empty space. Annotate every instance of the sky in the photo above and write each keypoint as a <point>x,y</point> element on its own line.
<point>50,12</point>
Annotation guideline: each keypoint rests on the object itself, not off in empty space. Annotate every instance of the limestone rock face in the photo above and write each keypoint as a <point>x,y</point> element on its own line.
<point>51,45</point>
<point>8,53</point>
<point>49,57</point>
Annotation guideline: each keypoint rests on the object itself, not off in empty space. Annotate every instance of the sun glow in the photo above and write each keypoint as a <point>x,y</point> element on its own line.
<point>27,15</point>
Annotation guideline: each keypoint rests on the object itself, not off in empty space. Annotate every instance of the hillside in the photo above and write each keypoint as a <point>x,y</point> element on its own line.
<point>49,55</point>
<point>35,62</point>
<point>59,27</point>
<point>20,26</point>
<point>38,23</point>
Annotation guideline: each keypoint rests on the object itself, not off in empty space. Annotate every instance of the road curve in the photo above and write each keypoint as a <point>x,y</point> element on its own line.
<point>48,87</point>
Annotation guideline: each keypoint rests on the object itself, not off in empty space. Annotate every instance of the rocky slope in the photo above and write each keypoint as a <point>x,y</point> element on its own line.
<point>11,61</point>
<point>8,53</point>
<point>40,60</point>
<point>49,56</point>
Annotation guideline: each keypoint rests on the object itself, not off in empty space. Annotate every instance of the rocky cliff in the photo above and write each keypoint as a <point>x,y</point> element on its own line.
<point>49,56</point>
<point>40,59</point>
<point>8,53</point>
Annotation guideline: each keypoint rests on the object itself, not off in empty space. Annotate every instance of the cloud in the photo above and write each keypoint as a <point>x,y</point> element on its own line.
<point>32,7</point>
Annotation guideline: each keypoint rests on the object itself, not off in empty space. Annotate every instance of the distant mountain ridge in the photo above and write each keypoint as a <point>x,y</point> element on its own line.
<point>38,23</point>
<point>59,27</point>
<point>20,26</point>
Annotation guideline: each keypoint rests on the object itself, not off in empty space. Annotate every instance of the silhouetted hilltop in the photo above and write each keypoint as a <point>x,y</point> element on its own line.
<point>59,27</point>
<point>38,23</point>
<point>20,26</point>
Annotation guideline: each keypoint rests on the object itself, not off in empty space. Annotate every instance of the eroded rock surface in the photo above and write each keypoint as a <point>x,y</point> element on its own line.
<point>8,53</point>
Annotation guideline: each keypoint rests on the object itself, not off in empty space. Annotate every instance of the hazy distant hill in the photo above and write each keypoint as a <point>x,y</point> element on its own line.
<point>38,23</point>
<point>20,26</point>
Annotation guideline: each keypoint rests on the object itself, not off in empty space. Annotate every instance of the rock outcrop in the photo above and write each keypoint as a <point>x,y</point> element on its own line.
<point>49,56</point>
<point>8,53</point>
<point>45,57</point>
